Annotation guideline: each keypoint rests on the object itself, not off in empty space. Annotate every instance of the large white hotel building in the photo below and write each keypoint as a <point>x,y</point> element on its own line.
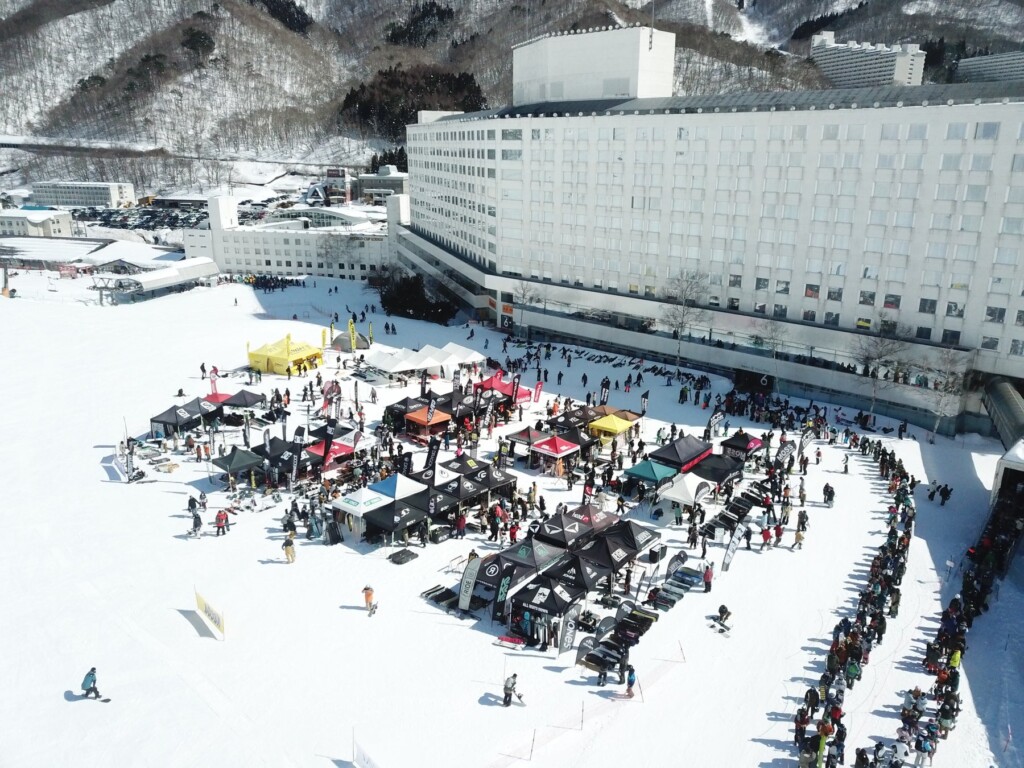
<point>831,212</point>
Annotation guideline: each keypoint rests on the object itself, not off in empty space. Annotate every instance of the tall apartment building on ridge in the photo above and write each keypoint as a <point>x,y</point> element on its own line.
<point>861,65</point>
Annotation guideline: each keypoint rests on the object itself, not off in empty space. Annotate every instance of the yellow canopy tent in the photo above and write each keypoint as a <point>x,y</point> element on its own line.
<point>276,357</point>
<point>608,426</point>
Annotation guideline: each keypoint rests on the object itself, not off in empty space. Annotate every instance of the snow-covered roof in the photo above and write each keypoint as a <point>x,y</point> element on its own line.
<point>142,255</point>
<point>33,215</point>
<point>52,249</point>
<point>182,272</point>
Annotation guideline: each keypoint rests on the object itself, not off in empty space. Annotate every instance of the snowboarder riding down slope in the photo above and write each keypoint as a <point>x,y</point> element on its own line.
<point>89,684</point>
<point>368,597</point>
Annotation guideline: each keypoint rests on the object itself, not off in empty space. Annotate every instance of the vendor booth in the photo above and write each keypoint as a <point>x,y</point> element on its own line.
<point>398,487</point>
<point>537,606</point>
<point>686,489</point>
<point>528,436</point>
<point>576,571</point>
<point>528,556</point>
<point>239,460</point>
<point>608,427</point>
<point>552,453</point>
<point>350,510</point>
<point>564,422</point>
<point>612,552</point>
<point>245,399</point>
<point>434,476</point>
<point>741,446</point>
<point>338,454</point>
<point>653,472</point>
<point>720,469</point>
<point>391,522</point>
<point>593,516</point>
<point>464,464</point>
<point>174,421</point>
<point>561,530</point>
<point>684,453</point>
<point>283,354</point>
<point>418,426</point>
<point>639,537</point>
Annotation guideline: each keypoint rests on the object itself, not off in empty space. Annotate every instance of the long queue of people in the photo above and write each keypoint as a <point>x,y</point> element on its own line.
<point>853,639</point>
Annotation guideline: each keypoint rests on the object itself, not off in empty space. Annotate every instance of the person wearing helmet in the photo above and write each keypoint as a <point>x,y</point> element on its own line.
<point>368,597</point>
<point>509,689</point>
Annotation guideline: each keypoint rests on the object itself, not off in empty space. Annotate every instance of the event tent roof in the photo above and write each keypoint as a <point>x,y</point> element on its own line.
<point>578,436</point>
<point>245,399</point>
<point>687,488</point>
<point>652,471</point>
<point>338,451</point>
<point>398,486</point>
<point>436,476</point>
<point>176,417</point>
<point>532,553</point>
<point>491,477</point>
<point>561,530</point>
<point>586,413</point>
<point>420,417</point>
<point>565,421</point>
<point>741,444</point>
<point>464,464</point>
<point>203,408</point>
<point>593,516</point>
<point>466,356</point>
<point>547,596</point>
<point>612,424</point>
<point>685,453</point>
<point>719,469</point>
<point>577,571</point>
<point>340,430</point>
<point>462,488</point>
<point>277,356</point>
<point>239,460</point>
<point>529,436</point>
<point>361,501</point>
<point>394,516</point>
<point>555,447</point>
<point>640,537</point>
<point>609,551</point>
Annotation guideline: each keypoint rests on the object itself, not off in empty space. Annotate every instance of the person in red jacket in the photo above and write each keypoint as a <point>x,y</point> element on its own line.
<point>766,538</point>
<point>513,532</point>
<point>709,575</point>
<point>779,530</point>
<point>222,522</point>
<point>800,721</point>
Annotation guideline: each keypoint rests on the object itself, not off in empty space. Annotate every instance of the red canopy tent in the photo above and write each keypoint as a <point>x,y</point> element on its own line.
<point>496,382</point>
<point>217,397</point>
<point>555,447</point>
<point>338,450</point>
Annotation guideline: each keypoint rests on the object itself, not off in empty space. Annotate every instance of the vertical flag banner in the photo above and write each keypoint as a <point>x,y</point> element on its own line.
<point>604,395</point>
<point>515,390</point>
<point>536,391</point>
<point>352,334</point>
<point>216,618</point>
<point>643,402</point>
<point>369,334</point>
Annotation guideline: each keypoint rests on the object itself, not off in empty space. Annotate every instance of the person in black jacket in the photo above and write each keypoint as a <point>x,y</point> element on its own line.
<point>812,700</point>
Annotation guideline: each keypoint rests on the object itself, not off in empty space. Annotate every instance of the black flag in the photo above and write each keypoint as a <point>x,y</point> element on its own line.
<point>515,390</point>
<point>456,378</point>
<point>643,402</point>
<point>508,569</point>
<point>568,634</point>
<point>716,418</point>
<point>431,409</point>
<point>406,463</point>
<point>423,383</point>
<point>604,395</point>
<point>785,451</point>
<point>805,439</point>
<point>332,425</point>
<point>432,450</point>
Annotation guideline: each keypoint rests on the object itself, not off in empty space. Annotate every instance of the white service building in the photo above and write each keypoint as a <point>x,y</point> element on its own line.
<point>84,194</point>
<point>28,222</point>
<point>829,212</point>
<point>861,65</point>
<point>346,242</point>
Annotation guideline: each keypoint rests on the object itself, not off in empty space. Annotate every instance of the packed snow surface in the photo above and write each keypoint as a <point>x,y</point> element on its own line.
<point>99,573</point>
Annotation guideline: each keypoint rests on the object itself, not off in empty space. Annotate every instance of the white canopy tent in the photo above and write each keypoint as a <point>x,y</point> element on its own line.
<point>357,504</point>
<point>687,489</point>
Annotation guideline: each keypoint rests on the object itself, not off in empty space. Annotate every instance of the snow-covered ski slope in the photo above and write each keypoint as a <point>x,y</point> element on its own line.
<point>99,573</point>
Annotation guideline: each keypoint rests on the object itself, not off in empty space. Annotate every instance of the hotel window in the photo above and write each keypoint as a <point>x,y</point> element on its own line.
<point>508,134</point>
<point>890,131</point>
<point>761,284</point>
<point>954,309</point>
<point>951,337</point>
<point>995,315</point>
<point>892,301</point>
<point>960,280</point>
<point>923,332</point>
<point>779,311</point>
<point>735,281</point>
<point>759,308</point>
<point>981,162</point>
<point>951,162</point>
<point>927,306</point>
<point>809,315</point>
<point>1007,256</point>
<point>956,131</point>
<point>734,304</point>
<point>863,324</point>
<point>990,342</point>
<point>812,290</point>
<point>986,131</point>
<point>1017,348</point>
<point>782,286</point>
<point>918,132</point>
<point>867,298</point>
<point>831,318</point>
<point>1020,317</point>
<point>835,294</point>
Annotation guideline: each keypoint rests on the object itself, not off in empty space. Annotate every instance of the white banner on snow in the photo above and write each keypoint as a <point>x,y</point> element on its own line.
<point>359,757</point>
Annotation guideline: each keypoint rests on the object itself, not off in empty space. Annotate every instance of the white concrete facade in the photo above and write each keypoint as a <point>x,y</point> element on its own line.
<point>823,213</point>
<point>19,222</point>
<point>346,245</point>
<point>84,194</point>
<point>860,65</point>
<point>611,63</point>
<point>998,66</point>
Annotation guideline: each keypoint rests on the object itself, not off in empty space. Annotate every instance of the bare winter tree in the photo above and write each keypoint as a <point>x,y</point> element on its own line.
<point>946,371</point>
<point>772,334</point>
<point>882,352</point>
<point>524,293</point>
<point>685,295</point>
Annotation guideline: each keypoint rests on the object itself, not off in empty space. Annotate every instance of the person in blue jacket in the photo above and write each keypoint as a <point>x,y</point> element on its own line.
<point>89,683</point>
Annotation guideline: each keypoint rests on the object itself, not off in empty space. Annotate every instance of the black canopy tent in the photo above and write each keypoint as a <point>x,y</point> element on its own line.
<point>577,571</point>
<point>565,421</point>
<point>204,409</point>
<point>393,517</point>
<point>528,556</point>
<point>638,537</point>
<point>465,465</point>
<point>173,421</point>
<point>277,448</point>
<point>684,453</point>
<point>612,552</point>
<point>529,436</point>
<point>245,399</point>
<point>563,530</point>
<point>493,479</point>
<point>741,445</point>
<point>586,413</point>
<point>239,460</point>
<point>547,596</point>
<point>443,503</point>
<point>463,490</point>
<point>457,406</point>
<point>593,516</point>
<point>340,430</point>
<point>720,469</point>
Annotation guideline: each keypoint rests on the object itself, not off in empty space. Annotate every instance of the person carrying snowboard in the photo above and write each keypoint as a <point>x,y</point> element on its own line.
<point>222,522</point>
<point>89,683</point>
<point>368,597</point>
<point>509,689</point>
